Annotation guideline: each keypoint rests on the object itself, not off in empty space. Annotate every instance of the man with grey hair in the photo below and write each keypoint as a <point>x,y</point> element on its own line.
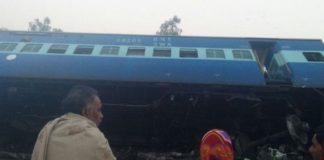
<point>75,135</point>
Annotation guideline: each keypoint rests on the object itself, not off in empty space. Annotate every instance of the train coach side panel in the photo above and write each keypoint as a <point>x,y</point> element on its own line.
<point>201,71</point>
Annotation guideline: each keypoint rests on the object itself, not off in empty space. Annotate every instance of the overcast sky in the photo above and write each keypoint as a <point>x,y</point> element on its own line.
<point>239,18</point>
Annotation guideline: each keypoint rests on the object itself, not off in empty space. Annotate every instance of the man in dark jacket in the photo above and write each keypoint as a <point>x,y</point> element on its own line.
<point>317,147</point>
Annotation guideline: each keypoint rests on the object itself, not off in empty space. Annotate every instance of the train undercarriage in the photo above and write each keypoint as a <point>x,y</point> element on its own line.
<point>161,120</point>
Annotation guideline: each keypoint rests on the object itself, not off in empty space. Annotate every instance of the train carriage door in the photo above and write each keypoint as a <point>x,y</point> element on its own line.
<point>263,51</point>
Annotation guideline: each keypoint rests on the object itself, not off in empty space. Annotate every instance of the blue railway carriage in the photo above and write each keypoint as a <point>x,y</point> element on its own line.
<point>164,91</point>
<point>300,62</point>
<point>129,58</point>
<point>144,58</point>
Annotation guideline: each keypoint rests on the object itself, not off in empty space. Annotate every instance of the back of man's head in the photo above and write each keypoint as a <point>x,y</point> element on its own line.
<point>78,98</point>
<point>320,134</point>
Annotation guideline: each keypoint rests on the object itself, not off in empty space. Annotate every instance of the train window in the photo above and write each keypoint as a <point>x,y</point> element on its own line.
<point>109,50</point>
<point>215,53</point>
<point>57,48</point>
<point>136,51</point>
<point>242,54</point>
<point>31,48</point>
<point>162,52</point>
<point>83,49</point>
<point>188,53</point>
<point>7,46</point>
<point>314,56</point>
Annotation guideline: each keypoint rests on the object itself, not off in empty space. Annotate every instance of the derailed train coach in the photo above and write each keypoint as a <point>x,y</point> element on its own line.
<point>165,92</point>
